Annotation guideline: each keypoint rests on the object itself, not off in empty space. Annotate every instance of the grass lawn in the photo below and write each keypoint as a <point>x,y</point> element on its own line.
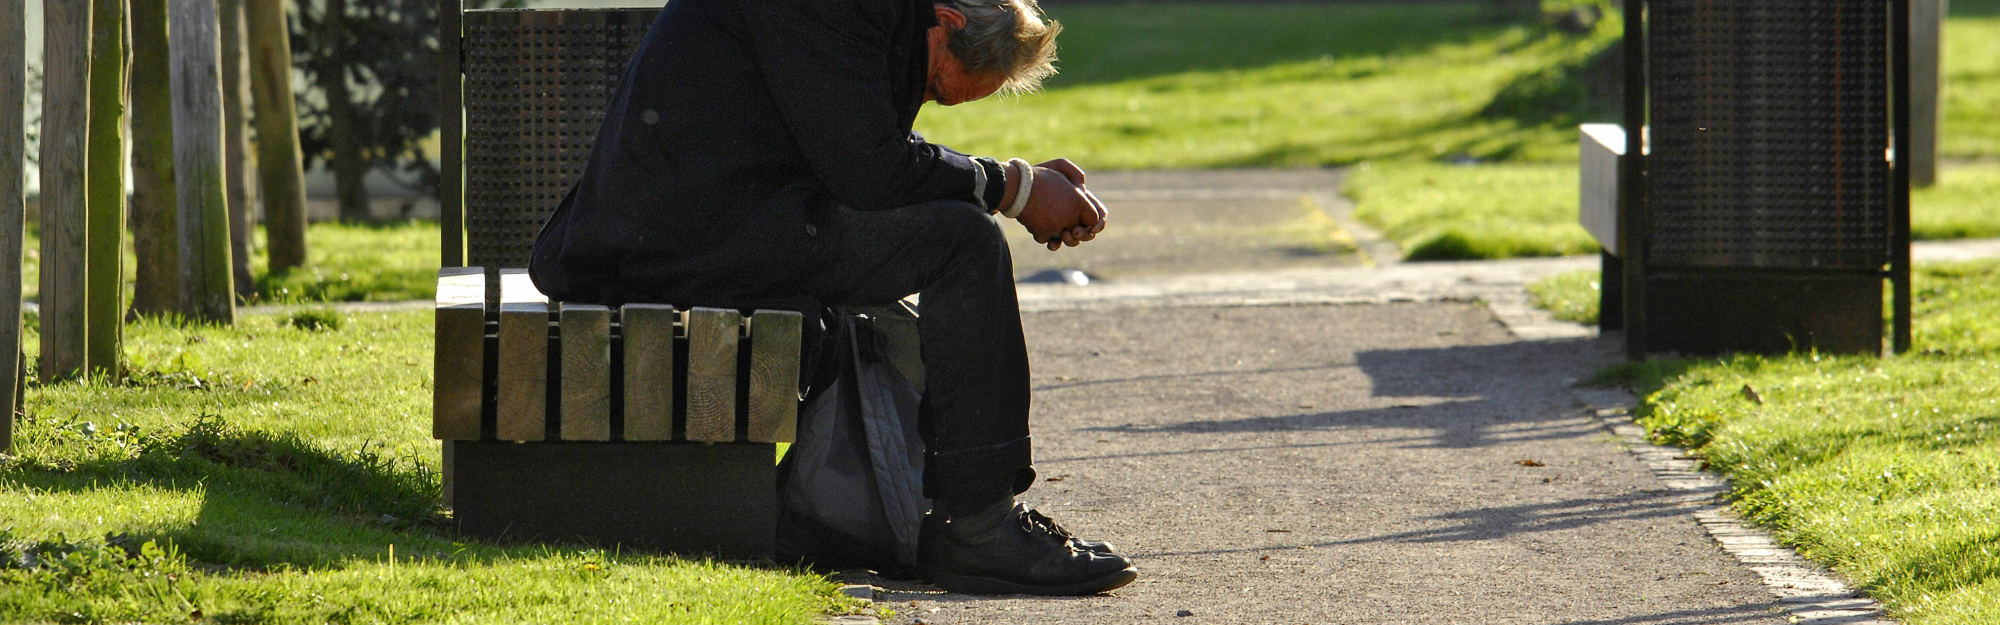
<point>1403,87</point>
<point>286,475</point>
<point>344,263</point>
<point>1886,469</point>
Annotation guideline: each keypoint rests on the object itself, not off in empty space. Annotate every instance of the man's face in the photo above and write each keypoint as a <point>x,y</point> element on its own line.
<point>949,83</point>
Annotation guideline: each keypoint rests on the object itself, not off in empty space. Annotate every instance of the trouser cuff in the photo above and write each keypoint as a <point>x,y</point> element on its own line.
<point>977,475</point>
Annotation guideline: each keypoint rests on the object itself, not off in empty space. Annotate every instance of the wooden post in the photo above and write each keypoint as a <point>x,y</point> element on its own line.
<point>279,178</point>
<point>1926,87</point>
<point>65,134</point>
<point>523,401</point>
<point>104,275</point>
<point>649,371</point>
<point>156,288</point>
<point>586,372</point>
<point>774,375</point>
<point>193,45</point>
<point>236,148</point>
<point>711,374</point>
<point>459,354</point>
<point>451,132</point>
<point>13,95</point>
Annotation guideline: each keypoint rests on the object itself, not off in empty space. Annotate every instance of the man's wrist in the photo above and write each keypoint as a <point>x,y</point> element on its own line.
<point>1021,190</point>
<point>994,190</point>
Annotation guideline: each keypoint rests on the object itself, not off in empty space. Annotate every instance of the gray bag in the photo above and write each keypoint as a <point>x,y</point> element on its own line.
<point>851,487</point>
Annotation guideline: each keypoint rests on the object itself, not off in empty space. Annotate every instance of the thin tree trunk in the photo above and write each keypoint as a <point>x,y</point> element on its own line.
<point>236,148</point>
<point>104,281</point>
<point>13,207</point>
<point>279,178</point>
<point>196,69</point>
<point>350,170</point>
<point>156,290</point>
<point>65,139</point>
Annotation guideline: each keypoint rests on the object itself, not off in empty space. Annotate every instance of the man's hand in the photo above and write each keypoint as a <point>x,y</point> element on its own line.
<point>1061,211</point>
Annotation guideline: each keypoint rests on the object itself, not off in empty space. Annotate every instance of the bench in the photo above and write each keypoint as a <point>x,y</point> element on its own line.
<point>642,426</point>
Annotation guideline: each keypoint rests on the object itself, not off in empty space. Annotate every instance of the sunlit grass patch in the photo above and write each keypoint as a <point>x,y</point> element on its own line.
<point>275,468</point>
<point>1452,212</point>
<point>1887,469</point>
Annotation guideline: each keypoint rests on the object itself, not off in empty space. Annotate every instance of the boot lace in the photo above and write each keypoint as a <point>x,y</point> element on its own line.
<point>1035,521</point>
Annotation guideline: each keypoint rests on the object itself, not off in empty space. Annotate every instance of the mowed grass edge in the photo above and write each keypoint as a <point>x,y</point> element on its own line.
<point>283,472</point>
<point>1885,469</point>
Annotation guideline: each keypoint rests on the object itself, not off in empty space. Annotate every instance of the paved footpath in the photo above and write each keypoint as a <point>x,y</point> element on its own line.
<point>1399,463</point>
<point>1354,440</point>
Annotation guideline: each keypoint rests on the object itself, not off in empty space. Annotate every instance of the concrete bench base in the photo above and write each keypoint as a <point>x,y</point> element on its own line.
<point>686,498</point>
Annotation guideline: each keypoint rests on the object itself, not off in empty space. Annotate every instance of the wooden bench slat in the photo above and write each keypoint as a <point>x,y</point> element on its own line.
<point>774,375</point>
<point>711,374</point>
<point>586,372</point>
<point>459,363</point>
<point>524,359</point>
<point>649,371</point>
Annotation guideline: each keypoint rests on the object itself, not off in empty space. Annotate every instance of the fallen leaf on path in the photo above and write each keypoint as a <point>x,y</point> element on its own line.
<point>1274,531</point>
<point>1265,558</point>
<point>1529,463</point>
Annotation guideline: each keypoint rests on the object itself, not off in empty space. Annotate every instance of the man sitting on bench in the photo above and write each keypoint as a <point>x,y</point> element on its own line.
<point>760,155</point>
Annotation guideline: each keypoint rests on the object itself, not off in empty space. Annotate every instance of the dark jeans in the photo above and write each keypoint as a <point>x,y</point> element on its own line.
<point>974,415</point>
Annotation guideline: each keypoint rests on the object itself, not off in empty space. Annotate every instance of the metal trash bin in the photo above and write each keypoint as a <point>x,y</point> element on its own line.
<point>1764,210</point>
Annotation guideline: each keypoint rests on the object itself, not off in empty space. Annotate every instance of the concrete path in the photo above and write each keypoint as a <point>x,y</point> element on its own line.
<point>1341,438</point>
<point>1400,463</point>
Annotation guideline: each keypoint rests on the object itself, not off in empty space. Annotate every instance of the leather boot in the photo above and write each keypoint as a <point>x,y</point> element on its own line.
<point>1099,546</point>
<point>1007,548</point>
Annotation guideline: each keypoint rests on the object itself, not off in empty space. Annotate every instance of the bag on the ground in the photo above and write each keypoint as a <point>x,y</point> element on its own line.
<point>851,486</point>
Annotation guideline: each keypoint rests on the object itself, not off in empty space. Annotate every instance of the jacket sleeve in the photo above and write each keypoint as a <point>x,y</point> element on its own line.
<point>826,63</point>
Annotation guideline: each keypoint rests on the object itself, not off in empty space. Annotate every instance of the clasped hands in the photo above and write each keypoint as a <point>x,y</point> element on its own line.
<point>1060,210</point>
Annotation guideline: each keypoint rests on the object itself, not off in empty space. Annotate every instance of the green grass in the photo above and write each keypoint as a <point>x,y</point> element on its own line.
<point>345,263</point>
<point>1201,85</point>
<point>1573,296</point>
<point>1402,87</point>
<point>275,465</point>
<point>357,262</point>
<point>1886,469</point>
<point>1965,203</point>
<point>1450,212</point>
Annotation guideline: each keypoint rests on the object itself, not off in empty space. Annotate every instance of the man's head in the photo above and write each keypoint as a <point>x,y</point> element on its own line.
<point>980,47</point>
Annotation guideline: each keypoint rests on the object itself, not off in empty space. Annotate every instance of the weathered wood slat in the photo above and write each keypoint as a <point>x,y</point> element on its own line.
<point>460,353</point>
<point>524,359</point>
<point>649,371</point>
<point>586,372</point>
<point>711,374</point>
<point>774,375</point>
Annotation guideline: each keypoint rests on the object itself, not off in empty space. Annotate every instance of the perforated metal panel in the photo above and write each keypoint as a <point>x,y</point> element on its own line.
<point>536,84</point>
<point>1770,123</point>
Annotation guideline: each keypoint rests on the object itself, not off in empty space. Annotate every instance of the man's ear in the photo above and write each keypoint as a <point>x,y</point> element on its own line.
<point>950,18</point>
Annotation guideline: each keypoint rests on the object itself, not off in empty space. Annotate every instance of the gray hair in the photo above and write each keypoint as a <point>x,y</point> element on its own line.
<point>1008,38</point>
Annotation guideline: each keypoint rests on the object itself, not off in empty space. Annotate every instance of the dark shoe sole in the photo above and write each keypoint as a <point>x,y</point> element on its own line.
<point>975,585</point>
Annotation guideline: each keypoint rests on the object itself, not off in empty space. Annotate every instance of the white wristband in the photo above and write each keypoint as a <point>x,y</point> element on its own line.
<point>1021,190</point>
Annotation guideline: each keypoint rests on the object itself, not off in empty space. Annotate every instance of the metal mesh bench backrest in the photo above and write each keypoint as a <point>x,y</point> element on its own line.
<point>1769,128</point>
<point>536,84</point>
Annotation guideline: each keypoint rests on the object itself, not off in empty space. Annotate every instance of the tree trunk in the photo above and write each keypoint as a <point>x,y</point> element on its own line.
<point>104,269</point>
<point>65,138</point>
<point>350,169</point>
<point>196,68</point>
<point>13,96</point>
<point>1926,88</point>
<point>278,176</point>
<point>156,290</point>
<point>236,148</point>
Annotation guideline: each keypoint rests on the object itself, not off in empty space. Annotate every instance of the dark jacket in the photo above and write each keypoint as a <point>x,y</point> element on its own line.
<point>736,125</point>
